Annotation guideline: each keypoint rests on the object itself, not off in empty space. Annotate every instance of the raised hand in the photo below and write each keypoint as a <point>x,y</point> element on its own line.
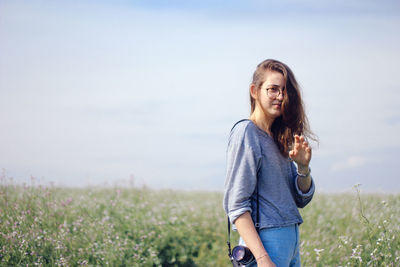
<point>301,152</point>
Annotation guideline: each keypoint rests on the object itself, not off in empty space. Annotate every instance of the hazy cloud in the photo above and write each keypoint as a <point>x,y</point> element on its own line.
<point>99,91</point>
<point>350,163</point>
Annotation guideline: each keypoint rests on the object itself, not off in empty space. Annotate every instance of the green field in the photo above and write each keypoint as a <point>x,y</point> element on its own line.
<point>140,227</point>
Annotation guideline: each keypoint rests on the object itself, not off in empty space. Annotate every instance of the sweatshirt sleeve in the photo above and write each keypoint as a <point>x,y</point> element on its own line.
<point>241,177</point>
<point>302,199</point>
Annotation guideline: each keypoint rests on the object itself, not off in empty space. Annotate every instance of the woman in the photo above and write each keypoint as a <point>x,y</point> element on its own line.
<point>260,153</point>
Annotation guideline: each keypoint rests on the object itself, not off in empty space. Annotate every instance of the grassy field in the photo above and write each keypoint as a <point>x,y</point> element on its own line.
<point>140,227</point>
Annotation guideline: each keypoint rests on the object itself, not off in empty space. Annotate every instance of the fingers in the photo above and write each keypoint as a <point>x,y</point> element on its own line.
<point>296,146</point>
<point>306,147</point>
<point>300,145</point>
<point>305,144</point>
<point>300,140</point>
<point>301,150</point>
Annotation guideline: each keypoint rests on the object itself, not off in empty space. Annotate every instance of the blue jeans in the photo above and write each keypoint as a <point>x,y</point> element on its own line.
<point>282,245</point>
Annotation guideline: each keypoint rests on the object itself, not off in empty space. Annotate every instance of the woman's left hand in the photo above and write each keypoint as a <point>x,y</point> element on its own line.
<point>301,152</point>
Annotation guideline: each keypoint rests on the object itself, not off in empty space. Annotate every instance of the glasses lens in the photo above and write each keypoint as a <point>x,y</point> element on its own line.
<point>273,92</point>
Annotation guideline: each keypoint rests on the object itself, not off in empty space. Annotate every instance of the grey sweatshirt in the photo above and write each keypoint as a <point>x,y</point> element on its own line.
<point>253,153</point>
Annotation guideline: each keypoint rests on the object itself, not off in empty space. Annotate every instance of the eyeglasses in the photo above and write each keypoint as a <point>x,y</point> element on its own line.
<point>274,92</point>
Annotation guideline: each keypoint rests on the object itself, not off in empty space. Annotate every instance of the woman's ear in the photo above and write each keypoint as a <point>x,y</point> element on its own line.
<point>253,91</point>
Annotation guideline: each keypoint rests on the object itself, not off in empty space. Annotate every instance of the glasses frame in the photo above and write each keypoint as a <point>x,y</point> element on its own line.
<point>280,92</point>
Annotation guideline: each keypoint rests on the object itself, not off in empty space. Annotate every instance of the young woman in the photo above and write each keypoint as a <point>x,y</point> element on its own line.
<point>261,151</point>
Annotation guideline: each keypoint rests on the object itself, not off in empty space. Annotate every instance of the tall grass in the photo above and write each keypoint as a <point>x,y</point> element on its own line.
<point>53,226</point>
<point>351,230</point>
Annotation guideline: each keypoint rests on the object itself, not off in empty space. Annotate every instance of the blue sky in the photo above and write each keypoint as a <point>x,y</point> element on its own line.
<point>95,92</point>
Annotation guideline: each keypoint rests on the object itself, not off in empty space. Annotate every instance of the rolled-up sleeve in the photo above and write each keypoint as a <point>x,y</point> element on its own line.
<point>302,199</point>
<point>241,179</point>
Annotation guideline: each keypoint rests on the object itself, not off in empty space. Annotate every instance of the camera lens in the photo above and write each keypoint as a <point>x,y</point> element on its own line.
<point>242,254</point>
<point>238,253</point>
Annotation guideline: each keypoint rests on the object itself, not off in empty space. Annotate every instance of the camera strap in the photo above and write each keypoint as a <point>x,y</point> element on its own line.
<point>257,224</point>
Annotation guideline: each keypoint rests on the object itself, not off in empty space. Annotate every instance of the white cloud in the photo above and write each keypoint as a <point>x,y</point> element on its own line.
<point>352,162</point>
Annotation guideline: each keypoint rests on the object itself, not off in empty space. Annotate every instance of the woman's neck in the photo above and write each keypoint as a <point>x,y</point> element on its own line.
<point>263,122</point>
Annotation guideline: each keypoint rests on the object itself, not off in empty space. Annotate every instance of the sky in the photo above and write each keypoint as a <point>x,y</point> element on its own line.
<point>145,93</point>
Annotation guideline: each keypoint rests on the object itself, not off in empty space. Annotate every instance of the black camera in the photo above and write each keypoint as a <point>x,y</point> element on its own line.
<point>242,255</point>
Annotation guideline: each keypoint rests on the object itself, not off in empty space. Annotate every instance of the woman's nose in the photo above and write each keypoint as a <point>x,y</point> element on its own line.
<point>280,96</point>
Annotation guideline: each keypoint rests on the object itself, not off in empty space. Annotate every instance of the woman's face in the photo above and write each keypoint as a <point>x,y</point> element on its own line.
<point>270,96</point>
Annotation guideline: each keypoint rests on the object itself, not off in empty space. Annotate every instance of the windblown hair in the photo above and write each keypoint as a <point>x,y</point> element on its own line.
<point>293,119</point>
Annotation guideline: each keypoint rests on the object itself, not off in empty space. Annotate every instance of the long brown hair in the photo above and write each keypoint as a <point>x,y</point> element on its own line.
<point>293,119</point>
